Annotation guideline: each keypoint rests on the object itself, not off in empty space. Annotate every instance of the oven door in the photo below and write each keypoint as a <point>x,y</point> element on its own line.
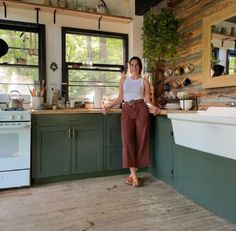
<point>14,146</point>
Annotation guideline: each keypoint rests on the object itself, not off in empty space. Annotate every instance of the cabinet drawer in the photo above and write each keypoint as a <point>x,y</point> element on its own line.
<point>78,119</point>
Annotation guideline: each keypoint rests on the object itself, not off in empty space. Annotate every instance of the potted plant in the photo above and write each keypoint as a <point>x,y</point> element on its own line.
<point>160,38</point>
<point>160,42</point>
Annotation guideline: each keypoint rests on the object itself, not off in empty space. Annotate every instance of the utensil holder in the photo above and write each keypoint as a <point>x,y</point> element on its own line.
<point>37,102</point>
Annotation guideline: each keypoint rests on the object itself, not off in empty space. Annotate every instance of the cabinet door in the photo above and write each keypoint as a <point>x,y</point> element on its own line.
<point>52,151</point>
<point>87,149</point>
<point>163,151</point>
<point>113,145</point>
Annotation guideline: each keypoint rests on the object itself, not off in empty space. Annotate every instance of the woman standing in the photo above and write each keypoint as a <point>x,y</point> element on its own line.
<point>135,119</point>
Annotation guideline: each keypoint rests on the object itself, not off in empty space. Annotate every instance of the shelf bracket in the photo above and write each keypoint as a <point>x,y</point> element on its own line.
<point>222,41</point>
<point>5,9</point>
<point>37,15</point>
<point>99,22</point>
<point>54,16</point>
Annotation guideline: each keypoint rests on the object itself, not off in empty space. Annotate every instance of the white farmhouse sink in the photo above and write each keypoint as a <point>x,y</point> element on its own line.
<point>212,131</point>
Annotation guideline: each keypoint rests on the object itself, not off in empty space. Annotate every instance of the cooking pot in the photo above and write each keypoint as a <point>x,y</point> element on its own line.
<point>3,48</point>
<point>15,100</point>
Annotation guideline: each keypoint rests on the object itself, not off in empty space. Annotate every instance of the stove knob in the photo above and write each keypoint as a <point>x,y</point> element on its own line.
<point>11,117</point>
<point>19,117</point>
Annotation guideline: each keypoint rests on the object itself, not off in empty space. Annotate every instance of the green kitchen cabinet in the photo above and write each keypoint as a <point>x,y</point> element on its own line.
<point>51,148</point>
<point>87,148</point>
<point>66,144</point>
<point>163,149</point>
<point>113,145</point>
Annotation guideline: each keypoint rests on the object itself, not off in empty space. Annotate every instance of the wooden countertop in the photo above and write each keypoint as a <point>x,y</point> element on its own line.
<point>82,110</point>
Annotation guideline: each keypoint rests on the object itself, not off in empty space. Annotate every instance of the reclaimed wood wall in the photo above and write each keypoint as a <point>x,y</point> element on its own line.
<point>191,14</point>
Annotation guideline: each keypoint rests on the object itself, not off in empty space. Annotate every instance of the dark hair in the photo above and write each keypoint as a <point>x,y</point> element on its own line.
<point>139,62</point>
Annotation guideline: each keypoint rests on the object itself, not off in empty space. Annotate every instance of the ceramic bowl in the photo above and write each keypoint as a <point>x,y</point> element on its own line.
<point>186,104</point>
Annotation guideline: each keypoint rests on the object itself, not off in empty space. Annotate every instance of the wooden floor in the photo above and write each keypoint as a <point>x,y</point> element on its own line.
<point>104,204</point>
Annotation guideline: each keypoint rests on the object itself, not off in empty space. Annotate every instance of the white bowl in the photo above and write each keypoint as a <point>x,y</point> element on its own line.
<point>186,104</point>
<point>173,106</point>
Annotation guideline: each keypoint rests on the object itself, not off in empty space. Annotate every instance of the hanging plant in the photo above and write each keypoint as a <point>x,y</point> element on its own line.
<point>160,37</point>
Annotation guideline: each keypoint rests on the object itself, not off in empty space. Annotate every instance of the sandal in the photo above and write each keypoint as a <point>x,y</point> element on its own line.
<point>139,183</point>
<point>130,181</point>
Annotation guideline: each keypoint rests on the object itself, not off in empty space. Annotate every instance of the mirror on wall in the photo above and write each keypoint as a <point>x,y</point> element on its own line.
<point>219,48</point>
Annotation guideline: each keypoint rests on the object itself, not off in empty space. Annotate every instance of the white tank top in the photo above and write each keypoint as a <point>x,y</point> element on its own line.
<point>133,89</point>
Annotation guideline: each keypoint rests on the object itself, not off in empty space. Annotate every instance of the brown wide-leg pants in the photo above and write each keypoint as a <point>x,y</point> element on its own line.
<point>135,129</point>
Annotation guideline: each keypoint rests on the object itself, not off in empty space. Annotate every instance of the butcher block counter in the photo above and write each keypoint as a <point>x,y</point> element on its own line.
<point>91,111</point>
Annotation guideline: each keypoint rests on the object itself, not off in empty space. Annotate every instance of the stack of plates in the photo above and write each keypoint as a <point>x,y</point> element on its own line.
<point>173,106</point>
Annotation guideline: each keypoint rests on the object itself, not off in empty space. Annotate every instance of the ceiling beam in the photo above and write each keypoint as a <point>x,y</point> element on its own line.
<point>142,6</point>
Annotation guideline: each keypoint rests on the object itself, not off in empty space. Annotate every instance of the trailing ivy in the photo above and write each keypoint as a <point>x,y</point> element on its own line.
<point>160,37</point>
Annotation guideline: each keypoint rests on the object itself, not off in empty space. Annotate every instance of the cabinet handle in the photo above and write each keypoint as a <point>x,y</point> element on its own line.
<point>73,133</point>
<point>69,130</point>
<point>72,120</point>
<point>172,133</point>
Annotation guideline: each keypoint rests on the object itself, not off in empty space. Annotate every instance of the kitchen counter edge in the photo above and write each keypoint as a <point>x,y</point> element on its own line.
<point>81,111</point>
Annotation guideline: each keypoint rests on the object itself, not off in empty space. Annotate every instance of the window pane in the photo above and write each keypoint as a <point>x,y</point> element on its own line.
<point>22,47</point>
<point>232,64</point>
<point>86,93</point>
<point>83,83</point>
<point>86,48</point>
<point>12,78</point>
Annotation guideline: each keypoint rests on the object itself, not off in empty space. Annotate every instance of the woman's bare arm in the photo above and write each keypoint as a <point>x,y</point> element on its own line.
<point>118,100</point>
<point>147,96</point>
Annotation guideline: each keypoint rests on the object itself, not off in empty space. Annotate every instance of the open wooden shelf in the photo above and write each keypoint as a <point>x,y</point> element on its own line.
<point>223,37</point>
<point>64,11</point>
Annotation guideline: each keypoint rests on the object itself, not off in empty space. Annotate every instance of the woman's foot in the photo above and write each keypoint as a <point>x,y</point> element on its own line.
<point>136,181</point>
<point>129,180</point>
<point>133,181</point>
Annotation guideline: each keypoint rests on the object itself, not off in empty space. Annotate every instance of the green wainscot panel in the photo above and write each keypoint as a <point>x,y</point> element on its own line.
<point>163,149</point>
<point>208,179</point>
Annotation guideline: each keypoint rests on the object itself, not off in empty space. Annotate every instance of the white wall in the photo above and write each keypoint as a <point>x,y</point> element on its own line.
<point>53,32</point>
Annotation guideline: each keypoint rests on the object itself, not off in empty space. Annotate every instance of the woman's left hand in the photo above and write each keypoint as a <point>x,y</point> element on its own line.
<point>105,110</point>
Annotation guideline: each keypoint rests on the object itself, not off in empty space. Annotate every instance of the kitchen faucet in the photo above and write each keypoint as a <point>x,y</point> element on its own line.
<point>230,103</point>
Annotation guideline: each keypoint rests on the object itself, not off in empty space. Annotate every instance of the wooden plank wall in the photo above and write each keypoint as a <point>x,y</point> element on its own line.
<point>191,13</point>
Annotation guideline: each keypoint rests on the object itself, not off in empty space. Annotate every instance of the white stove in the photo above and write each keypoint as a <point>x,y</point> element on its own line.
<point>15,133</point>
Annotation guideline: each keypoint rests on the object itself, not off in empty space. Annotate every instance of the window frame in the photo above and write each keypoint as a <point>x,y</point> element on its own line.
<point>229,53</point>
<point>30,27</point>
<point>66,66</point>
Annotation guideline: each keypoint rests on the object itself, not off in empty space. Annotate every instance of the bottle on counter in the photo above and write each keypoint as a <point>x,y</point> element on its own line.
<point>55,95</point>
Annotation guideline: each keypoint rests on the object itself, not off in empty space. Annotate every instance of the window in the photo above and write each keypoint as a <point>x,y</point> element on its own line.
<point>92,60</point>
<point>24,61</point>
<point>230,62</point>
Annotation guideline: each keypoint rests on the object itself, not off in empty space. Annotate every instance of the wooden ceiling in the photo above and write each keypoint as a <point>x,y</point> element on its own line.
<point>142,6</point>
